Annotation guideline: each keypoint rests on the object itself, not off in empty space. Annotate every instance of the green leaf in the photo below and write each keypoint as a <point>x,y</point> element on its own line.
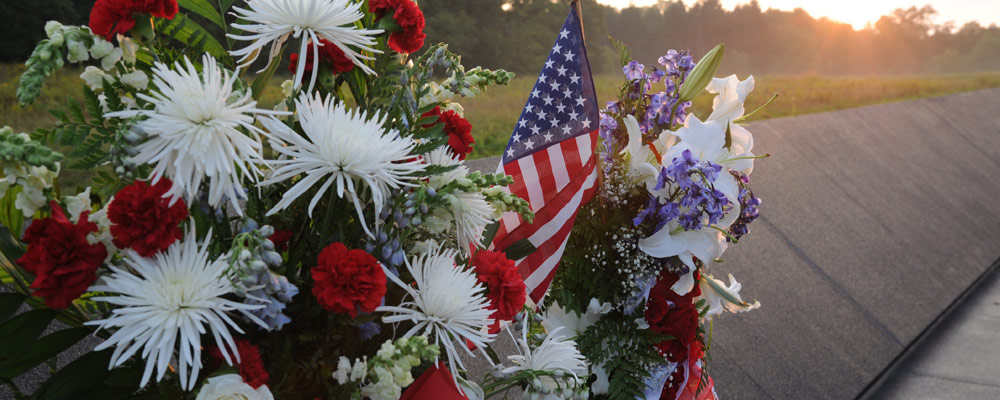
<point>261,81</point>
<point>75,110</point>
<point>93,104</point>
<point>185,30</point>
<point>9,303</point>
<point>20,332</point>
<point>520,249</point>
<point>202,8</point>
<point>45,348</point>
<point>9,245</point>
<point>702,74</point>
<point>624,54</point>
<point>78,378</point>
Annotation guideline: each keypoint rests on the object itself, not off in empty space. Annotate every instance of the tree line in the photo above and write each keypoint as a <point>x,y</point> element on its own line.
<point>518,34</point>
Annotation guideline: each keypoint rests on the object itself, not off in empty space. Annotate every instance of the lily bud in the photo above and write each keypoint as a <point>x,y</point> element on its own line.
<point>702,74</point>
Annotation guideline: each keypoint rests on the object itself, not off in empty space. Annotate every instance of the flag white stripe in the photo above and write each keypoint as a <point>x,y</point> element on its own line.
<point>560,219</point>
<point>529,175</point>
<point>548,232</point>
<point>558,167</point>
<point>583,142</point>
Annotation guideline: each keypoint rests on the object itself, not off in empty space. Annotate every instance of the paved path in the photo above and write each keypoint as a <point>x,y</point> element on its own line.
<point>958,359</point>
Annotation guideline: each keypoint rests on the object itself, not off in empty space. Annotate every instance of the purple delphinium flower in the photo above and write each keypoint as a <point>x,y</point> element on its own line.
<point>633,70</point>
<point>368,330</point>
<point>697,196</point>
<point>748,210</point>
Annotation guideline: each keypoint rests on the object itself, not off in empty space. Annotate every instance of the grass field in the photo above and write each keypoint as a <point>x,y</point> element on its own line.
<point>494,113</point>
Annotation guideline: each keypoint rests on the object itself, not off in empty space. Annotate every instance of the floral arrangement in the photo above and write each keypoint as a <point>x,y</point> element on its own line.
<point>329,244</point>
<point>634,287</point>
<point>333,244</point>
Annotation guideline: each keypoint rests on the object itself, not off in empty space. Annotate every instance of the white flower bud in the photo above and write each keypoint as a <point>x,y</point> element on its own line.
<point>77,50</point>
<point>94,77</point>
<point>51,27</point>
<point>136,79</point>
<point>108,62</point>
<point>101,48</point>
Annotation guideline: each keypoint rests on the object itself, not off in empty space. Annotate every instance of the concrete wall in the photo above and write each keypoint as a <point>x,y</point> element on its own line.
<point>874,220</point>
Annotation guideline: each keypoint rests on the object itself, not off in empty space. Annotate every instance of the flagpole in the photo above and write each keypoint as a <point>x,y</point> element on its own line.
<point>579,14</point>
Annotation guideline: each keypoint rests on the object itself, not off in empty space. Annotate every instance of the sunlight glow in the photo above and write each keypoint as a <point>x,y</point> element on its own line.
<point>858,13</point>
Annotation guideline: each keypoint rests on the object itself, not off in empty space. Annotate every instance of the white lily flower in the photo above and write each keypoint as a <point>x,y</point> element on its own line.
<point>721,297</point>
<point>568,323</point>
<point>732,92</point>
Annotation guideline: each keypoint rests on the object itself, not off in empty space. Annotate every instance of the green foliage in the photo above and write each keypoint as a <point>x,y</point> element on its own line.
<point>624,54</point>
<point>193,36</point>
<point>627,352</point>
<point>19,148</point>
<point>204,9</point>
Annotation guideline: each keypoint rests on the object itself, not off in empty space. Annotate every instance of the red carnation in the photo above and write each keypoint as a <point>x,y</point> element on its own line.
<point>63,261</point>
<point>459,131</point>
<point>506,289</point>
<point>674,315</point>
<point>144,220</point>
<point>329,54</point>
<point>251,366</point>
<point>280,239</point>
<point>410,19</point>
<point>348,281</point>
<point>109,17</point>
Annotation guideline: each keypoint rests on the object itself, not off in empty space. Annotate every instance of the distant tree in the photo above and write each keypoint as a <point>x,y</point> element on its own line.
<point>25,20</point>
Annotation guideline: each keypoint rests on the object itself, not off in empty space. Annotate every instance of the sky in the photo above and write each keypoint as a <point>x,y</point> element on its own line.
<point>859,12</point>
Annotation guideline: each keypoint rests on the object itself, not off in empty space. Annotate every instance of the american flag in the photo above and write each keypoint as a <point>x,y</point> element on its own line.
<point>551,157</point>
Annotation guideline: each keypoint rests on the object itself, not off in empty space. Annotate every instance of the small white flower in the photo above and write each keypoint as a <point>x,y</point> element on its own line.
<point>384,389</point>
<point>51,27</point>
<point>136,79</point>
<point>340,146</point>
<point>101,48</point>
<point>76,205</point>
<point>232,387</point>
<point>447,304</point>
<point>343,371</point>
<point>168,302</point>
<point>108,61</point>
<point>194,132</point>
<point>128,47</point>
<point>76,51</point>
<point>94,77</point>
<point>273,21</point>
<point>568,324</point>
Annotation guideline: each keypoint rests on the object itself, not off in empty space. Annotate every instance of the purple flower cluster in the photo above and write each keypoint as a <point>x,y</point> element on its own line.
<point>664,108</point>
<point>748,209</point>
<point>695,197</point>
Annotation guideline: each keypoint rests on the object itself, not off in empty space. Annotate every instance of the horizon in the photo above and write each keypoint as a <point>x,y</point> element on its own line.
<point>957,11</point>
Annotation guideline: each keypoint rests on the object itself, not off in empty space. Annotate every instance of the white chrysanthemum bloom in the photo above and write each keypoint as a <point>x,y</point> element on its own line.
<point>447,304</point>
<point>340,146</point>
<point>195,131</point>
<point>273,21</point>
<point>168,302</point>
<point>232,387</point>
<point>469,210</point>
<point>556,353</point>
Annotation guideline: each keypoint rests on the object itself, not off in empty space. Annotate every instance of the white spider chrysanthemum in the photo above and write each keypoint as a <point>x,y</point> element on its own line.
<point>340,146</point>
<point>470,210</point>
<point>172,297</point>
<point>447,305</point>
<point>194,131</point>
<point>273,21</point>
<point>556,353</point>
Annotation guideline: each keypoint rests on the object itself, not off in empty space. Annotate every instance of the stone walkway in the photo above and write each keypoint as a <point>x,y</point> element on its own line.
<point>959,358</point>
